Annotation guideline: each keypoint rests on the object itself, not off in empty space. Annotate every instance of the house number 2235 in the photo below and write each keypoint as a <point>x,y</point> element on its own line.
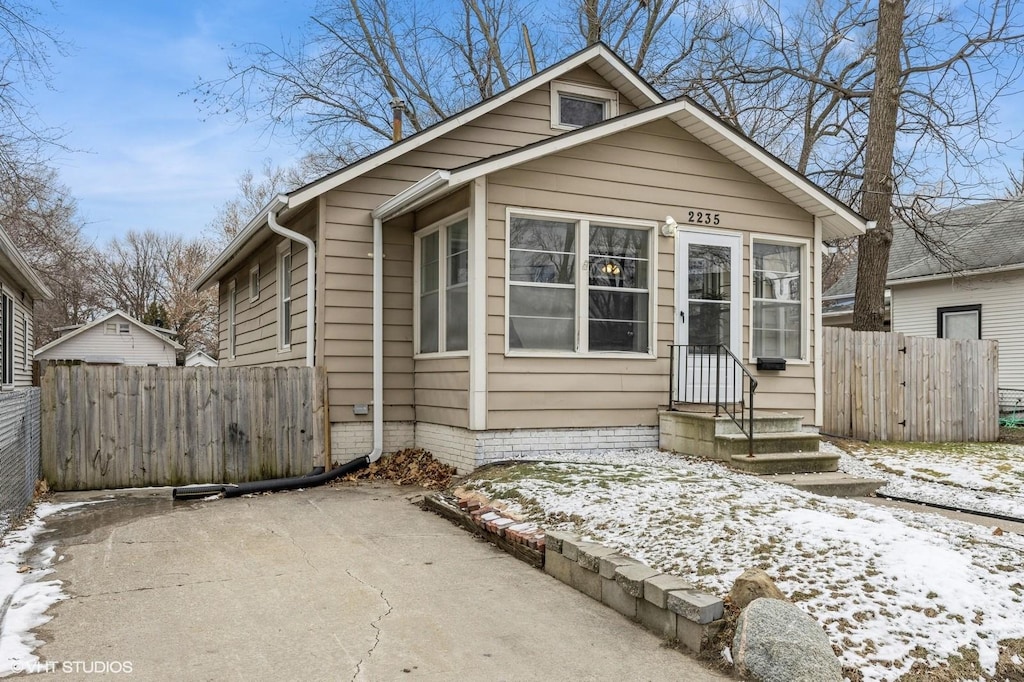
<point>702,217</point>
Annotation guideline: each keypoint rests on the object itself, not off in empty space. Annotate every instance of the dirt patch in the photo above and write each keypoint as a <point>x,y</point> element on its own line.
<point>1014,436</point>
<point>411,466</point>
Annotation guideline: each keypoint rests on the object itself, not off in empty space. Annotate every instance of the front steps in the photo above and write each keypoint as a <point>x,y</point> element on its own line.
<point>780,444</point>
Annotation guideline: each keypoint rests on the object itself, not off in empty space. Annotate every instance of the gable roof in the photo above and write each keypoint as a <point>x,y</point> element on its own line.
<point>597,56</point>
<point>19,271</point>
<point>838,219</point>
<point>115,313</point>
<point>983,237</point>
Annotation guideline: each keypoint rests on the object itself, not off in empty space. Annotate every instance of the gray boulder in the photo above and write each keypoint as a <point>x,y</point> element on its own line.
<point>753,584</point>
<point>777,642</point>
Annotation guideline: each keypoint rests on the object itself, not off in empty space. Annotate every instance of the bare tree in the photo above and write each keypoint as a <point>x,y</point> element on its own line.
<point>192,315</point>
<point>133,272</point>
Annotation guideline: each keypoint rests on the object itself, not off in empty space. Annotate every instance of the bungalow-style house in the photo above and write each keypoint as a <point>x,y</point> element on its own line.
<point>20,288</point>
<point>511,278</point>
<point>114,339</point>
<point>198,358</point>
<point>963,281</point>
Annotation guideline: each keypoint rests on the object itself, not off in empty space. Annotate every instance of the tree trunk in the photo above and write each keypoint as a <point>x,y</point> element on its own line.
<point>592,21</point>
<point>878,186</point>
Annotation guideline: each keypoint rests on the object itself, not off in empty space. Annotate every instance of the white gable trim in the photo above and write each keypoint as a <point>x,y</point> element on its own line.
<point>21,272</point>
<point>116,313</point>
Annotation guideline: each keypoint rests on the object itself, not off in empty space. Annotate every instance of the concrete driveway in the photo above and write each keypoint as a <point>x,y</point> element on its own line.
<point>353,583</point>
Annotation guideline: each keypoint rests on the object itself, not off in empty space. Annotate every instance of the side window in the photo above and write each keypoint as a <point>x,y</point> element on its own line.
<point>442,283</point>
<point>574,105</point>
<point>778,296</point>
<point>959,322</point>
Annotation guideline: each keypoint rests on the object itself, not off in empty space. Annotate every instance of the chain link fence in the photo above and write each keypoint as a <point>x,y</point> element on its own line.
<point>19,453</point>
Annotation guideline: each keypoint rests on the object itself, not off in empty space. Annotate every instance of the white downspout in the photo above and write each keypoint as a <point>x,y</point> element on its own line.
<point>282,202</point>
<point>378,339</point>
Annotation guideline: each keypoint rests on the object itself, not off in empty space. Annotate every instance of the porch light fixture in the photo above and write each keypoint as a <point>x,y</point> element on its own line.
<point>669,228</point>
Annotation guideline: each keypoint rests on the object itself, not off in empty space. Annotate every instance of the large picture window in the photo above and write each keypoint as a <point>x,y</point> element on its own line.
<point>442,254</point>
<point>578,285</point>
<point>778,299</point>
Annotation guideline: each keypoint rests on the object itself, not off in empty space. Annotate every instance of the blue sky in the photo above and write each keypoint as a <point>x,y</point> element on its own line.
<point>148,160</point>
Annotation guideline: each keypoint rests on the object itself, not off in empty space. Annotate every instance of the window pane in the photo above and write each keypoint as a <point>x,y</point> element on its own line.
<point>710,273</point>
<point>579,111</point>
<point>429,266</point>
<point>778,329</point>
<point>546,268</point>
<point>286,323</point>
<point>542,318</point>
<point>618,257</point>
<point>457,322</point>
<point>536,234</point>
<point>428,322</point>
<point>541,334</point>
<point>458,253</point>
<point>618,321</point>
<point>777,272</point>
<point>286,266</point>
<point>709,323</point>
<point>962,325</point>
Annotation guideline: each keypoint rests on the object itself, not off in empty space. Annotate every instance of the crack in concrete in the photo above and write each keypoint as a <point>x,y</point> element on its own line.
<point>375,624</point>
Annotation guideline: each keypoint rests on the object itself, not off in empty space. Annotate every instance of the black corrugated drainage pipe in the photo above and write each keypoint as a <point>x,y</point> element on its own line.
<point>315,478</point>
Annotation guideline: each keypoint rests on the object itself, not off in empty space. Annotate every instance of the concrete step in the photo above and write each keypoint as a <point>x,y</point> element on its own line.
<point>785,463</point>
<point>786,441</point>
<point>763,423</point>
<point>830,484</point>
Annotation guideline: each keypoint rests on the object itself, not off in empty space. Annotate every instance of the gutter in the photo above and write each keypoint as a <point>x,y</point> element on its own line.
<point>280,204</point>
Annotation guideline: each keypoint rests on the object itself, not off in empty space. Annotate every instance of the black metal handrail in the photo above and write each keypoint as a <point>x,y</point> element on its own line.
<point>712,375</point>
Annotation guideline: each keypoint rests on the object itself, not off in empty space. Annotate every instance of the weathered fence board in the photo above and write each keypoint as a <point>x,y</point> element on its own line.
<point>888,386</point>
<point>117,426</point>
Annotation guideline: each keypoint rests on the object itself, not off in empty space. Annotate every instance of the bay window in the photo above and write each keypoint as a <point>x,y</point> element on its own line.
<point>442,287</point>
<point>578,284</point>
<point>779,307</point>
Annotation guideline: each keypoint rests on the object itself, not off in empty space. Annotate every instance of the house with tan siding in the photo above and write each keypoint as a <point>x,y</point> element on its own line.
<point>511,279</point>
<point>116,338</point>
<point>20,288</point>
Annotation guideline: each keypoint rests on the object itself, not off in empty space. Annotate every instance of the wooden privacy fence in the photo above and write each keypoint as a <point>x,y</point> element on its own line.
<point>118,426</point>
<point>887,386</point>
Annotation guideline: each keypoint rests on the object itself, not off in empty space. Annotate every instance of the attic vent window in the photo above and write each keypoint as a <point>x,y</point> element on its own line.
<point>574,105</point>
<point>116,328</point>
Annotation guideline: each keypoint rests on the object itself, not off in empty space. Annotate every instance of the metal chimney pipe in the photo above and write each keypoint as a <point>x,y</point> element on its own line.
<point>397,109</point>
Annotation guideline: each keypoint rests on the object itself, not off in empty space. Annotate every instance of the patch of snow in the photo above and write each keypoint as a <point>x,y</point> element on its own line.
<point>882,582</point>
<point>972,480</point>
<point>24,595</point>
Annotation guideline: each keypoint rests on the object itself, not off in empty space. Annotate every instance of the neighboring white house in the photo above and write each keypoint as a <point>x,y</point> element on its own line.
<point>114,339</point>
<point>198,358</point>
<point>20,287</point>
<point>962,280</point>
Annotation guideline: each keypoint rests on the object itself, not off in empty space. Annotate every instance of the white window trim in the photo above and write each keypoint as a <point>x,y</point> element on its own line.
<point>583,221</point>
<point>283,344</point>
<point>805,258</point>
<point>232,321</point>
<point>27,363</point>
<point>6,351</point>
<point>609,97</point>
<point>254,292</point>
<point>442,280</point>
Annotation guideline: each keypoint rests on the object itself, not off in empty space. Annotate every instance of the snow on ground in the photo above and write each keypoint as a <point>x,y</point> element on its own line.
<point>888,585</point>
<point>986,477</point>
<point>24,595</point>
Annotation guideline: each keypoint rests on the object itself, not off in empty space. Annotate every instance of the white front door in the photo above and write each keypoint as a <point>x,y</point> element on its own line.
<point>709,315</point>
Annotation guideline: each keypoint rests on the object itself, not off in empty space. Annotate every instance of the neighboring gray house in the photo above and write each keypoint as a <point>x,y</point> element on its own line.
<point>20,288</point>
<point>114,339</point>
<point>965,283</point>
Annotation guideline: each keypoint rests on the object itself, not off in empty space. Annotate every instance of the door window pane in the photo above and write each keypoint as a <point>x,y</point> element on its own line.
<point>710,272</point>
<point>709,323</point>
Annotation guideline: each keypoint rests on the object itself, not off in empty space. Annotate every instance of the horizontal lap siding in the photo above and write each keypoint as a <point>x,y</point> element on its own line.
<point>915,312</point>
<point>646,174</point>
<point>431,390</point>
<point>256,340</point>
